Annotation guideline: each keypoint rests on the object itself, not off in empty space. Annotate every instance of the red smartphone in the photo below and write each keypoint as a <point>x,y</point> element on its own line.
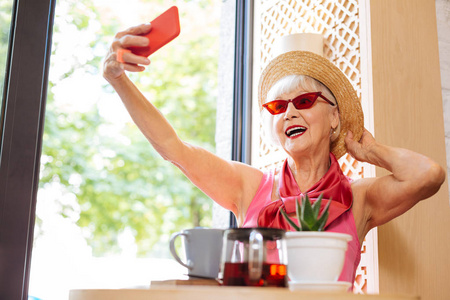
<point>165,28</point>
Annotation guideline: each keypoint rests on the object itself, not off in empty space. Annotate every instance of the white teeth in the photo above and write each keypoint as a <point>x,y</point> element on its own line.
<point>295,131</point>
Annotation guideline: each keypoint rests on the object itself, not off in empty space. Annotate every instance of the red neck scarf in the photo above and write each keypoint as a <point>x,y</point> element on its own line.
<point>334,185</point>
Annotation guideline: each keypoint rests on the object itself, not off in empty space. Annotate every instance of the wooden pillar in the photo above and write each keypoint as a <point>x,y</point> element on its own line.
<point>414,249</point>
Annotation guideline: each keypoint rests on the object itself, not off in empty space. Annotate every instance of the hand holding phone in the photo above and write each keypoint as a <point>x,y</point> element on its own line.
<point>165,28</point>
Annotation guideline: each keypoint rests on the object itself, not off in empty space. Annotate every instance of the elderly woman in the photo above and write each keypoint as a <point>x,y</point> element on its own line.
<point>313,113</point>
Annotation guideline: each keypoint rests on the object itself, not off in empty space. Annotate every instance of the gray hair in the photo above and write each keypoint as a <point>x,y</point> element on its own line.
<point>287,85</point>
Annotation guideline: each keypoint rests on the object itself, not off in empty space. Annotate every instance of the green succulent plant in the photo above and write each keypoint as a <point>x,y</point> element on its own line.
<point>308,215</point>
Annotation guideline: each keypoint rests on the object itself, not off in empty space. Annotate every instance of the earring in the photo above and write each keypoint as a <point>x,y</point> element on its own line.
<point>333,134</point>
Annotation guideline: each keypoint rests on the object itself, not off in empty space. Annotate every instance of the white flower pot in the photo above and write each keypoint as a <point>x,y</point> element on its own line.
<point>315,256</point>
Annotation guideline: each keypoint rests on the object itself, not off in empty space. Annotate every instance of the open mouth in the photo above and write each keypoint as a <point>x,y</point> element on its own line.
<point>295,131</point>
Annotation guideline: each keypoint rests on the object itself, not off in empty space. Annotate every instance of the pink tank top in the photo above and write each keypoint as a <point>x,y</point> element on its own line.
<point>263,212</point>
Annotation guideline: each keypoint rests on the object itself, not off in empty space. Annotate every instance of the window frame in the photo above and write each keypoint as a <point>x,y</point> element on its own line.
<point>242,92</point>
<point>22,124</point>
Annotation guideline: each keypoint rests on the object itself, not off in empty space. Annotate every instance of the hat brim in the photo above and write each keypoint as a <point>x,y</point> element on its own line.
<point>321,69</point>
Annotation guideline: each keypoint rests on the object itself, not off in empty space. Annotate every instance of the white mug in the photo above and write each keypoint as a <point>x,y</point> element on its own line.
<point>203,248</point>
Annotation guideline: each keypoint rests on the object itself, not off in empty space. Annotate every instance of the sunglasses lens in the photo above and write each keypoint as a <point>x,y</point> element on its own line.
<point>305,101</point>
<point>276,107</point>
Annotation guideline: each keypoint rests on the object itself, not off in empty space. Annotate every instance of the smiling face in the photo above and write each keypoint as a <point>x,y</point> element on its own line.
<point>302,131</point>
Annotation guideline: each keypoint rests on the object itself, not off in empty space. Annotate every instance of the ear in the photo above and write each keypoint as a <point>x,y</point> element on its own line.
<point>335,118</point>
<point>335,125</point>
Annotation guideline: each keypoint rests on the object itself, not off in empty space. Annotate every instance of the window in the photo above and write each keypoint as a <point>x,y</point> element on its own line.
<point>23,127</point>
<point>108,203</point>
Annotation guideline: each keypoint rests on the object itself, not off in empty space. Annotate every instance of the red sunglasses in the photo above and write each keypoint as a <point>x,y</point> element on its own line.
<point>303,101</point>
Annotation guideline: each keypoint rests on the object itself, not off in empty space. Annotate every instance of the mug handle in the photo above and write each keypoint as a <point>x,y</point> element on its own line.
<point>189,263</point>
<point>256,251</point>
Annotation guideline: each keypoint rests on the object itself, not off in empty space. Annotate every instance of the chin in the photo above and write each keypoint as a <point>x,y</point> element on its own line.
<point>293,150</point>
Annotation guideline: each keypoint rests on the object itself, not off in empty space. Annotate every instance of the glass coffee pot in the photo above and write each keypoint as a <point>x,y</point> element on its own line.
<point>254,257</point>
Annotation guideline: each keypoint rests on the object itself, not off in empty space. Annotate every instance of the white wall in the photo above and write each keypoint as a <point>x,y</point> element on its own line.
<point>443,26</point>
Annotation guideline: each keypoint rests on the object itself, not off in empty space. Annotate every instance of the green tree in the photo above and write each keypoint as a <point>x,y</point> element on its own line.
<point>119,181</point>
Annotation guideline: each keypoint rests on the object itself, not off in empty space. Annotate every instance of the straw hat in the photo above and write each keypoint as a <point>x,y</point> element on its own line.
<point>298,62</point>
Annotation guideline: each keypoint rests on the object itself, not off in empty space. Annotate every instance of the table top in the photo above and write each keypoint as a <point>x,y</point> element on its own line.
<point>221,293</point>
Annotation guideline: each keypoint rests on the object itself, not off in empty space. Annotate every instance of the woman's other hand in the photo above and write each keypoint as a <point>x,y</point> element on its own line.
<point>119,58</point>
<point>360,150</point>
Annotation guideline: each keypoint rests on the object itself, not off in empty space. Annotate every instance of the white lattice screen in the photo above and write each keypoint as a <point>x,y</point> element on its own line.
<point>338,22</point>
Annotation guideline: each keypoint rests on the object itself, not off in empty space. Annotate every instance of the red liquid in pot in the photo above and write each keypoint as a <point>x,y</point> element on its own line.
<point>236,274</point>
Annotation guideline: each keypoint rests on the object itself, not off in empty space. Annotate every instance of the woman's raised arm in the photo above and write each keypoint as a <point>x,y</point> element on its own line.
<point>231,184</point>
<point>414,177</point>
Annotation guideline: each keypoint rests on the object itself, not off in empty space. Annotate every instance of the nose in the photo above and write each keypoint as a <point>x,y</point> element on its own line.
<point>291,111</point>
